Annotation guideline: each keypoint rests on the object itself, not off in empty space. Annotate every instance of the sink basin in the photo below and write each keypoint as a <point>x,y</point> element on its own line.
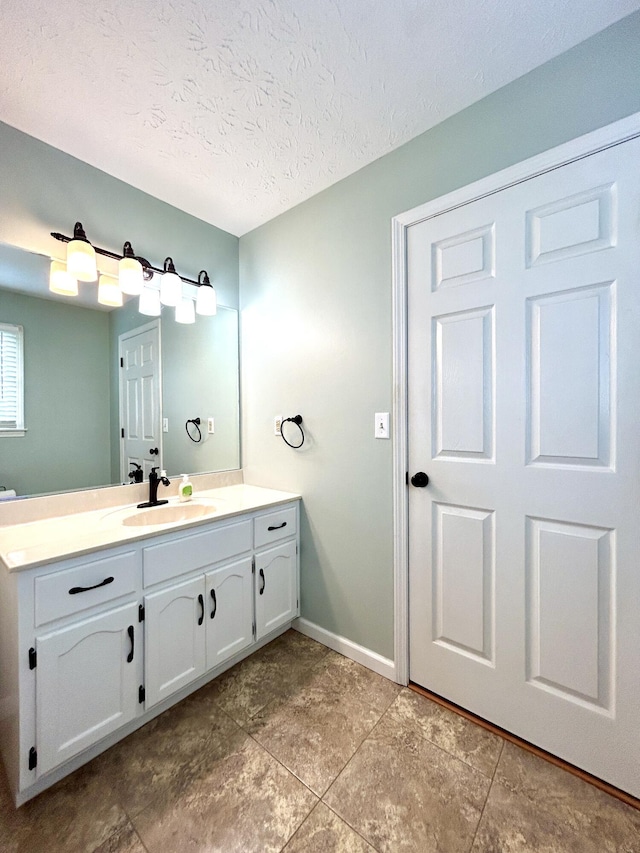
<point>167,514</point>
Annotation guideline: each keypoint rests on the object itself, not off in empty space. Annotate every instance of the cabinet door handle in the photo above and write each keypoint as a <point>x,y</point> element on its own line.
<point>277,526</point>
<point>76,589</point>
<point>130,633</point>
<point>264,583</point>
<point>201,603</point>
<point>215,603</point>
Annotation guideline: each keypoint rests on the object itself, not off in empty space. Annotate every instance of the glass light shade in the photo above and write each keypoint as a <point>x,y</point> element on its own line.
<point>61,281</point>
<point>109,292</point>
<point>130,276</point>
<point>149,303</point>
<point>170,288</point>
<point>206,303</point>
<point>81,261</point>
<point>185,311</point>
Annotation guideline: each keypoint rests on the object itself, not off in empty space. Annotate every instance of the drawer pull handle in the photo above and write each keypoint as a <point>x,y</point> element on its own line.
<point>201,603</point>
<point>76,589</point>
<point>215,603</point>
<point>264,583</point>
<point>277,526</point>
<point>130,633</point>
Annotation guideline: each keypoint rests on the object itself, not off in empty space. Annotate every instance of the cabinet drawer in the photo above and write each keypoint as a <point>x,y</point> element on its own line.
<point>73,590</point>
<point>276,525</point>
<point>180,556</point>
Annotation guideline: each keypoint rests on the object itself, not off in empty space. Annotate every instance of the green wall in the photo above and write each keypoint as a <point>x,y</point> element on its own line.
<point>66,352</point>
<point>315,289</point>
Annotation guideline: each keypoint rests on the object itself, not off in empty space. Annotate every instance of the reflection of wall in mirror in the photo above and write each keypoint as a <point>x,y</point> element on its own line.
<point>200,379</point>
<point>66,366</point>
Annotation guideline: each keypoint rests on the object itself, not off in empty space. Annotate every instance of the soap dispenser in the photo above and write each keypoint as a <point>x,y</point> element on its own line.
<point>185,489</point>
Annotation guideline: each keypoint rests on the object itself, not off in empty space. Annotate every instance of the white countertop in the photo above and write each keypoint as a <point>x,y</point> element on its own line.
<point>34,543</point>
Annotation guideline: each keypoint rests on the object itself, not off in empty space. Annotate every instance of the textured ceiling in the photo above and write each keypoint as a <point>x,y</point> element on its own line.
<point>236,110</point>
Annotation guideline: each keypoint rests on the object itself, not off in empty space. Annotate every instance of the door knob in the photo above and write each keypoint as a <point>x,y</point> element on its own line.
<point>154,451</point>
<point>420,480</point>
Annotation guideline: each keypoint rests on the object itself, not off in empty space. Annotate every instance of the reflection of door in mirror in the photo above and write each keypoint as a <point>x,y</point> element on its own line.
<point>140,405</point>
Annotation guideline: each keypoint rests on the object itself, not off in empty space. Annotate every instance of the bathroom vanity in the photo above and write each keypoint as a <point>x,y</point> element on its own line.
<point>108,617</point>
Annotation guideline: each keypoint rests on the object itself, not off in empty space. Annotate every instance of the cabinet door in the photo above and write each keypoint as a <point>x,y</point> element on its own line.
<point>86,683</point>
<point>174,639</point>
<point>276,587</point>
<point>229,611</point>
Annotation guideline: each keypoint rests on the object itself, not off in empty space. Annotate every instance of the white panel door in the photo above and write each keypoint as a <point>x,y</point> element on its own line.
<point>86,683</point>
<point>230,611</point>
<point>524,345</point>
<point>140,400</point>
<point>174,638</point>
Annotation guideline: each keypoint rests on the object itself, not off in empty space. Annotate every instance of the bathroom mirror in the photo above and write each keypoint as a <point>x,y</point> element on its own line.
<point>71,385</point>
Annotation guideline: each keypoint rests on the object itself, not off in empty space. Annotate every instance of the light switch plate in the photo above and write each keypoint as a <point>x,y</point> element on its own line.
<point>382,425</point>
<point>165,425</point>
<point>210,427</point>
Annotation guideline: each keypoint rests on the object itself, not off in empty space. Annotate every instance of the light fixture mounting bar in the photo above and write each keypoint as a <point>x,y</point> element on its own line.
<point>117,257</point>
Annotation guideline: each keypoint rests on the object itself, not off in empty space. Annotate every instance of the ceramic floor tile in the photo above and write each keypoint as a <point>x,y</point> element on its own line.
<point>513,823</point>
<point>250,685</point>
<point>569,801</point>
<point>76,815</point>
<point>124,841</point>
<point>316,729</point>
<point>403,793</point>
<point>324,832</point>
<point>448,730</point>
<point>164,756</point>
<point>243,803</point>
<point>342,675</point>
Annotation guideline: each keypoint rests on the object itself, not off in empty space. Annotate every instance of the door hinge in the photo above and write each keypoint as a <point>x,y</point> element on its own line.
<point>122,433</point>
<point>406,478</point>
<point>296,547</point>
<point>122,362</point>
<point>33,658</point>
<point>141,613</point>
<point>33,758</point>
<point>141,694</point>
<point>253,565</point>
<point>253,629</point>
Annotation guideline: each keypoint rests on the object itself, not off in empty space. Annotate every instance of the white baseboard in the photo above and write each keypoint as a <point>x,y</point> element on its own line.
<point>372,660</point>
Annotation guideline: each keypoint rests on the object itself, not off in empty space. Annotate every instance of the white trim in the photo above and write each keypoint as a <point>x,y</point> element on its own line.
<point>360,654</point>
<point>583,146</point>
<point>399,454</point>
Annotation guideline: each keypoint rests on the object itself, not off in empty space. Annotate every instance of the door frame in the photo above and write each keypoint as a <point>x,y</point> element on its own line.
<point>555,158</point>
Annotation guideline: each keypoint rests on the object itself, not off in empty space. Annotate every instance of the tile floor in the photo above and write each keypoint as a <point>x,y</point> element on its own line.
<point>300,750</point>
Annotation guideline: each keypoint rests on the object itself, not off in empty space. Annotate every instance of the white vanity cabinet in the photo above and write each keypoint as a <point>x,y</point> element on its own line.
<point>93,647</point>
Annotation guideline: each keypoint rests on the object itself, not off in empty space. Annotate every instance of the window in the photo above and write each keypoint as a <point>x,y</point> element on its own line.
<point>11,380</point>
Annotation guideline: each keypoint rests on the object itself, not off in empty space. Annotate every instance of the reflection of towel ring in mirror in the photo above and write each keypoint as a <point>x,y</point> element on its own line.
<point>297,420</point>
<point>196,423</point>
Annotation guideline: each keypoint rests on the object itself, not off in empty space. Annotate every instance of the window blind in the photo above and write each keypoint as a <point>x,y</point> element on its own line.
<point>11,378</point>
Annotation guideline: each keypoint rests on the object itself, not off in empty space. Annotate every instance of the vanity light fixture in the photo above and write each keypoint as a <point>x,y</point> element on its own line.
<point>81,256</point>
<point>206,304</point>
<point>134,276</point>
<point>61,281</point>
<point>185,311</point>
<point>109,292</point>
<point>170,284</point>
<point>130,272</point>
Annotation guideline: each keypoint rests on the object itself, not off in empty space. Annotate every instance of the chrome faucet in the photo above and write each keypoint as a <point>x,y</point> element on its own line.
<point>154,482</point>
